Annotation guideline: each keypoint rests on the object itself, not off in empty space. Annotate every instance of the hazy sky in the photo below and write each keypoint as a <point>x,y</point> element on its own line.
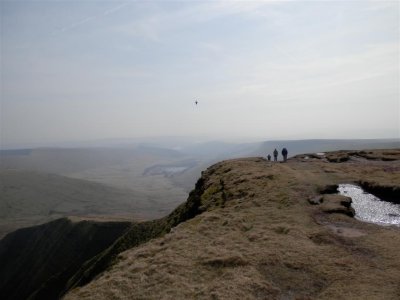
<point>83,70</point>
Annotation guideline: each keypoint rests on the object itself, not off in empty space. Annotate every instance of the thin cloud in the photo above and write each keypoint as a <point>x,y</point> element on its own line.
<point>115,9</point>
<point>256,62</point>
<point>91,18</point>
<point>153,27</point>
<point>77,24</point>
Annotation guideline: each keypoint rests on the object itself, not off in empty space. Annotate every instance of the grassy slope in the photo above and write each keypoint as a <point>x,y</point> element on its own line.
<point>42,258</point>
<point>61,254</point>
<point>29,198</point>
<point>140,233</point>
<point>260,238</point>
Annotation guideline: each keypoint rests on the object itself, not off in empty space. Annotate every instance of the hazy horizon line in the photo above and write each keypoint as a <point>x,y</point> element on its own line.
<point>137,141</point>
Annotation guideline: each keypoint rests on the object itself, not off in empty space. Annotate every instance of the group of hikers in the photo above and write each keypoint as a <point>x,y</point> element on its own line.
<point>284,154</point>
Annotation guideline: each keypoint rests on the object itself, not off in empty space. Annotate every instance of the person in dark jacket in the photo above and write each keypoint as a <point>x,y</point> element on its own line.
<point>269,157</point>
<point>284,154</point>
<point>275,155</point>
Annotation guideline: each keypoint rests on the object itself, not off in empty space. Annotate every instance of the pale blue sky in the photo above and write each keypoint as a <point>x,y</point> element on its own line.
<point>83,70</point>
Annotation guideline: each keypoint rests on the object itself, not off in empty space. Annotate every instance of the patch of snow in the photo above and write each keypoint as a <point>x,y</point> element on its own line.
<point>370,208</point>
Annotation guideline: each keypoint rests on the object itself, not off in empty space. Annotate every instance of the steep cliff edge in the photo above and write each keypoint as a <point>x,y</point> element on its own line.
<point>62,254</point>
<point>260,236</point>
<point>140,233</point>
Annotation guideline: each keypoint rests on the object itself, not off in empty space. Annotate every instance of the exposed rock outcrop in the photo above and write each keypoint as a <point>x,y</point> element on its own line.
<point>337,204</point>
<point>333,203</point>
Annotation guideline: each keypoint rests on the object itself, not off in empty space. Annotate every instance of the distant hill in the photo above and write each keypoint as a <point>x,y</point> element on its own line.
<point>66,161</point>
<point>28,198</point>
<point>71,160</point>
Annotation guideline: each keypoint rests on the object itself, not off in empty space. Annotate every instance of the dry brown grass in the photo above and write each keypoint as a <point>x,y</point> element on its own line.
<point>265,241</point>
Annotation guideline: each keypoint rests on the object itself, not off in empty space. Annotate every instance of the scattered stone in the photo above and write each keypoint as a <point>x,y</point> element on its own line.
<point>316,200</point>
<point>338,157</point>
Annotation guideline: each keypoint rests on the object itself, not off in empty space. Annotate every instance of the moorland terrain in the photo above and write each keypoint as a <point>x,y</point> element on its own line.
<point>250,229</point>
<point>141,181</point>
<point>261,236</point>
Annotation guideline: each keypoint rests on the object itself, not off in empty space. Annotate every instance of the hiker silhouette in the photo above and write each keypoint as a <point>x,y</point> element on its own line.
<point>284,154</point>
<point>275,155</point>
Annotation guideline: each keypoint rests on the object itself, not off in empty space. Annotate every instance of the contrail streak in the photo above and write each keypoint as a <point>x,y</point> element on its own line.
<point>91,18</point>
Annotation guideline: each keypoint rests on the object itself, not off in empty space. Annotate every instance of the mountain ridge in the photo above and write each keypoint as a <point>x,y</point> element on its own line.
<point>251,229</point>
<point>264,238</point>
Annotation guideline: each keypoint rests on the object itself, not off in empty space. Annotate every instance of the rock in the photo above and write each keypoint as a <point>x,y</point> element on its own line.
<point>337,204</point>
<point>338,157</point>
<point>315,200</point>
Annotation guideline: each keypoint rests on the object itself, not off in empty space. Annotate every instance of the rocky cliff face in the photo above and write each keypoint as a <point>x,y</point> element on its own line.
<point>250,229</point>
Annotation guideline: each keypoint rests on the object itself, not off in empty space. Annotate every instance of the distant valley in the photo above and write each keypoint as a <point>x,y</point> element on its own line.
<point>138,182</point>
<point>29,198</point>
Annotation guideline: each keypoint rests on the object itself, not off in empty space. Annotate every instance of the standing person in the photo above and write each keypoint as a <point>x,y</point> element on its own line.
<point>275,155</point>
<point>269,157</point>
<point>284,154</point>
